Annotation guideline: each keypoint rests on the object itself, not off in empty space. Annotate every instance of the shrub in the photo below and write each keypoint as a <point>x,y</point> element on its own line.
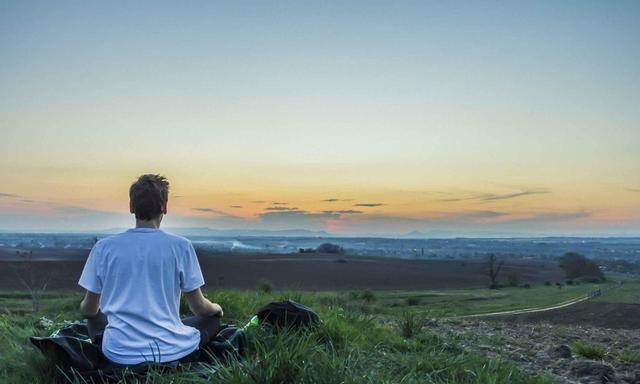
<point>547,283</point>
<point>368,296</point>
<point>330,248</point>
<point>588,350</point>
<point>410,325</point>
<point>526,286</point>
<point>265,286</point>
<point>569,282</point>
<point>413,300</point>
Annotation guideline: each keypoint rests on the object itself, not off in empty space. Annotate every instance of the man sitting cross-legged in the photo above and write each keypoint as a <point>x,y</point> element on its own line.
<point>134,281</point>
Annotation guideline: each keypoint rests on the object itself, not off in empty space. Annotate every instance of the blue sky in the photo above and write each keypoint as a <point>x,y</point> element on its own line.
<point>422,106</point>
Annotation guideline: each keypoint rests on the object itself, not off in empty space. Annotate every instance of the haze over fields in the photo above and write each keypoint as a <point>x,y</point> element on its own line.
<point>350,118</point>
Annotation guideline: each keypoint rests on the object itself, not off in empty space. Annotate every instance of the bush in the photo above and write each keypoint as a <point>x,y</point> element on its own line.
<point>265,286</point>
<point>569,282</point>
<point>547,283</point>
<point>588,350</point>
<point>330,248</point>
<point>526,286</point>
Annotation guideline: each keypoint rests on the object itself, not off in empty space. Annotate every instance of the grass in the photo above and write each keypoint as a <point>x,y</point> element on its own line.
<point>461,302</point>
<point>588,350</point>
<point>358,342</point>
<point>410,324</point>
<point>630,356</point>
<point>627,292</point>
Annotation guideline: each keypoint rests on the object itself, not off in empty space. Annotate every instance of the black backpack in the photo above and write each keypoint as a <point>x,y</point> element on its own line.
<point>287,313</point>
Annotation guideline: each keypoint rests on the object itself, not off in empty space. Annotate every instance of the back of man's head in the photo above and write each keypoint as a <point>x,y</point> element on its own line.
<point>148,196</point>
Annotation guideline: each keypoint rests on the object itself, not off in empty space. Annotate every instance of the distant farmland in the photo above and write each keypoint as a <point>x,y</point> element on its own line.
<point>308,271</point>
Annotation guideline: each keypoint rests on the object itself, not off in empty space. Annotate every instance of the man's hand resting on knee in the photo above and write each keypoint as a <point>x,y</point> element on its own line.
<point>201,306</point>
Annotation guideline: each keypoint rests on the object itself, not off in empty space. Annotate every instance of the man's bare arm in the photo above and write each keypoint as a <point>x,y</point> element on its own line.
<point>200,305</point>
<point>90,305</point>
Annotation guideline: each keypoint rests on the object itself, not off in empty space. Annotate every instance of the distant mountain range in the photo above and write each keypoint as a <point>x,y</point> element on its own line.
<point>433,234</point>
<point>204,231</point>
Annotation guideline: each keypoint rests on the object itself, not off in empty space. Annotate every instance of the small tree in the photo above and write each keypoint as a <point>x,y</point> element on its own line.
<point>36,286</point>
<point>576,266</point>
<point>493,269</point>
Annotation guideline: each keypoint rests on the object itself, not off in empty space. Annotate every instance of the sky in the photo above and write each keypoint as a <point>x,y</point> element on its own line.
<point>350,117</point>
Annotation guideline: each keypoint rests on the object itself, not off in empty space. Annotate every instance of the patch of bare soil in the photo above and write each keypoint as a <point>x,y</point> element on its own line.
<point>549,349</point>
<point>599,314</point>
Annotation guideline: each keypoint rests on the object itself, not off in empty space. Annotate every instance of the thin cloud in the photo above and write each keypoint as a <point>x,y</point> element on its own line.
<point>2,194</point>
<point>343,212</point>
<point>454,199</point>
<point>368,204</point>
<point>210,210</point>
<point>279,203</point>
<point>495,196</point>
<point>258,201</point>
<point>283,213</point>
<point>479,215</point>
<point>637,190</point>
<point>235,206</point>
<point>335,200</point>
<point>72,210</point>
<point>492,196</point>
<point>297,219</point>
<point>279,208</point>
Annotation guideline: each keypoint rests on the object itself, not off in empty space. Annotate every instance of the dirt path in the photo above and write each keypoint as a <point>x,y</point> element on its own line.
<point>531,310</point>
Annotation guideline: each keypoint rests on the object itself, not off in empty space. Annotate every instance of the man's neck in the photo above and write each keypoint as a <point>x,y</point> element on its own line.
<point>154,223</point>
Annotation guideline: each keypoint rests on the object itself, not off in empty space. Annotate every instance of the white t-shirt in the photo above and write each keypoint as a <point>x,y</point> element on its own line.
<point>139,274</point>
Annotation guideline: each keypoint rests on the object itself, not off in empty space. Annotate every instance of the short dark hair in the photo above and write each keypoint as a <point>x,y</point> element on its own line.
<point>147,195</point>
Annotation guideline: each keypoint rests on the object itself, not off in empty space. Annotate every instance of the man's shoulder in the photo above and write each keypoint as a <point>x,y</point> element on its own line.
<point>100,243</point>
<point>177,239</point>
<point>159,237</point>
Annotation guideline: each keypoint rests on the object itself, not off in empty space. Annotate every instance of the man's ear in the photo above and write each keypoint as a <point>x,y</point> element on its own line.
<point>131,209</point>
<point>164,208</point>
